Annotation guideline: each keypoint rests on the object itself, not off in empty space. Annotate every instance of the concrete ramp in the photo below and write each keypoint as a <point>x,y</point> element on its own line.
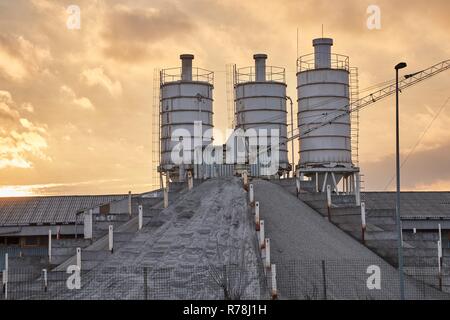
<point>316,260</point>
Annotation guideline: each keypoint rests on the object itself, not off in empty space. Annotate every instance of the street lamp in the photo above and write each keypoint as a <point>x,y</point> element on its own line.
<point>399,66</point>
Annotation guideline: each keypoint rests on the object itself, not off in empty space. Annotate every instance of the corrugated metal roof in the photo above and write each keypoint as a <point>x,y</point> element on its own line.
<point>412,204</point>
<point>48,210</point>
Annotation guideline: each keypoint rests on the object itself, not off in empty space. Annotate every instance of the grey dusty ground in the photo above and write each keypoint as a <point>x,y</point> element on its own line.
<point>301,239</point>
<point>205,229</point>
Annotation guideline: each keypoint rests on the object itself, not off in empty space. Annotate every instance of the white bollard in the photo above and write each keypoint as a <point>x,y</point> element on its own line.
<point>190,181</point>
<point>166,198</point>
<point>363,221</point>
<point>251,195</point>
<point>111,238</point>
<point>45,279</point>
<point>79,258</point>
<point>257,215</point>
<point>297,184</point>
<point>129,203</point>
<point>267,249</point>
<point>328,196</point>
<point>261,234</point>
<point>245,180</point>
<point>273,270</point>
<point>329,202</point>
<point>49,245</point>
<point>141,217</point>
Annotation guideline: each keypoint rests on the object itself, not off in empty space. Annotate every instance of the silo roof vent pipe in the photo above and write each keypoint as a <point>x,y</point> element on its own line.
<point>260,66</point>
<point>322,52</point>
<point>186,66</point>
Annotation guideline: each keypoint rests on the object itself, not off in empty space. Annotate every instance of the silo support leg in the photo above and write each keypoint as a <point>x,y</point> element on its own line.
<point>325,182</point>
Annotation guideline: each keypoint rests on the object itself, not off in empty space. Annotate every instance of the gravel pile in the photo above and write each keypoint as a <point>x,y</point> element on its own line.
<point>316,260</point>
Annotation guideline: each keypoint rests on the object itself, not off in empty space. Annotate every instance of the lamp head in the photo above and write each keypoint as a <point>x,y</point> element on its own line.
<point>401,65</point>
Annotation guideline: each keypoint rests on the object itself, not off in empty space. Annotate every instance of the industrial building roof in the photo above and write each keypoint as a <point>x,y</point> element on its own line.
<point>414,205</point>
<point>16,211</point>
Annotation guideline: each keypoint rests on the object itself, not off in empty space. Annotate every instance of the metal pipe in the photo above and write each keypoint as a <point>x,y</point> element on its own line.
<point>111,238</point>
<point>186,66</point>
<point>329,201</point>
<point>273,271</point>
<point>397,159</point>
<point>267,251</point>
<point>45,279</point>
<point>261,234</point>
<point>49,245</point>
<point>141,217</point>
<point>292,130</point>
<point>257,215</point>
<point>129,203</point>
<point>79,258</point>
<point>363,222</point>
<point>260,66</point>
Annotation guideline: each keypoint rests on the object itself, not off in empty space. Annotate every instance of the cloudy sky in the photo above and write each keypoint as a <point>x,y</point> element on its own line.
<point>76,104</point>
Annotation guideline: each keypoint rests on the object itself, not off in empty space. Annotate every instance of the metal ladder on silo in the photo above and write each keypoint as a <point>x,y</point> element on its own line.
<point>354,115</point>
<point>156,125</point>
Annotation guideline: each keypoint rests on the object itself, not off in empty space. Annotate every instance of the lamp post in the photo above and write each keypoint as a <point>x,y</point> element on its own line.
<point>399,66</point>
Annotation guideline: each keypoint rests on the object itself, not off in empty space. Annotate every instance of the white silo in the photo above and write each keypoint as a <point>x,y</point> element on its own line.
<point>186,97</point>
<point>323,94</point>
<point>260,98</point>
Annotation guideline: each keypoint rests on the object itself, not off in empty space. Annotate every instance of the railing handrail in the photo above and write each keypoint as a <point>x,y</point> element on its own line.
<point>248,74</point>
<point>198,74</point>
<point>338,61</point>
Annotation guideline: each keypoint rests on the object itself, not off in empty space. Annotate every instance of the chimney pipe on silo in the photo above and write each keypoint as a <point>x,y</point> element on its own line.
<point>186,66</point>
<point>322,52</point>
<point>260,66</point>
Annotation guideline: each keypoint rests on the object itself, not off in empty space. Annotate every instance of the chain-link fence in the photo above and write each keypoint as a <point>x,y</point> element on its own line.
<point>295,279</point>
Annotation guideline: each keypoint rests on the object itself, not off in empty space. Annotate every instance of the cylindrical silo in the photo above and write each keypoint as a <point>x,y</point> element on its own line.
<point>324,120</point>
<point>260,97</point>
<point>186,97</point>
<point>323,93</point>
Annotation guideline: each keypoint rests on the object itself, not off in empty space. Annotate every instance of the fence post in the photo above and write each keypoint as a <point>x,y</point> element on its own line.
<point>141,217</point>
<point>324,276</point>
<point>45,279</point>
<point>145,284</point>
<point>257,215</point>
<point>49,245</point>
<point>274,282</point>
<point>111,238</point>
<point>261,234</point>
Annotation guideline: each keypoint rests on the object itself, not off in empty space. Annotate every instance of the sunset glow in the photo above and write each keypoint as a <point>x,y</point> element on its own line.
<point>76,103</point>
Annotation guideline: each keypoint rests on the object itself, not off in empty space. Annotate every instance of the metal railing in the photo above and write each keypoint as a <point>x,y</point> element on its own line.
<point>198,74</point>
<point>307,62</point>
<point>248,74</point>
<point>310,279</point>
